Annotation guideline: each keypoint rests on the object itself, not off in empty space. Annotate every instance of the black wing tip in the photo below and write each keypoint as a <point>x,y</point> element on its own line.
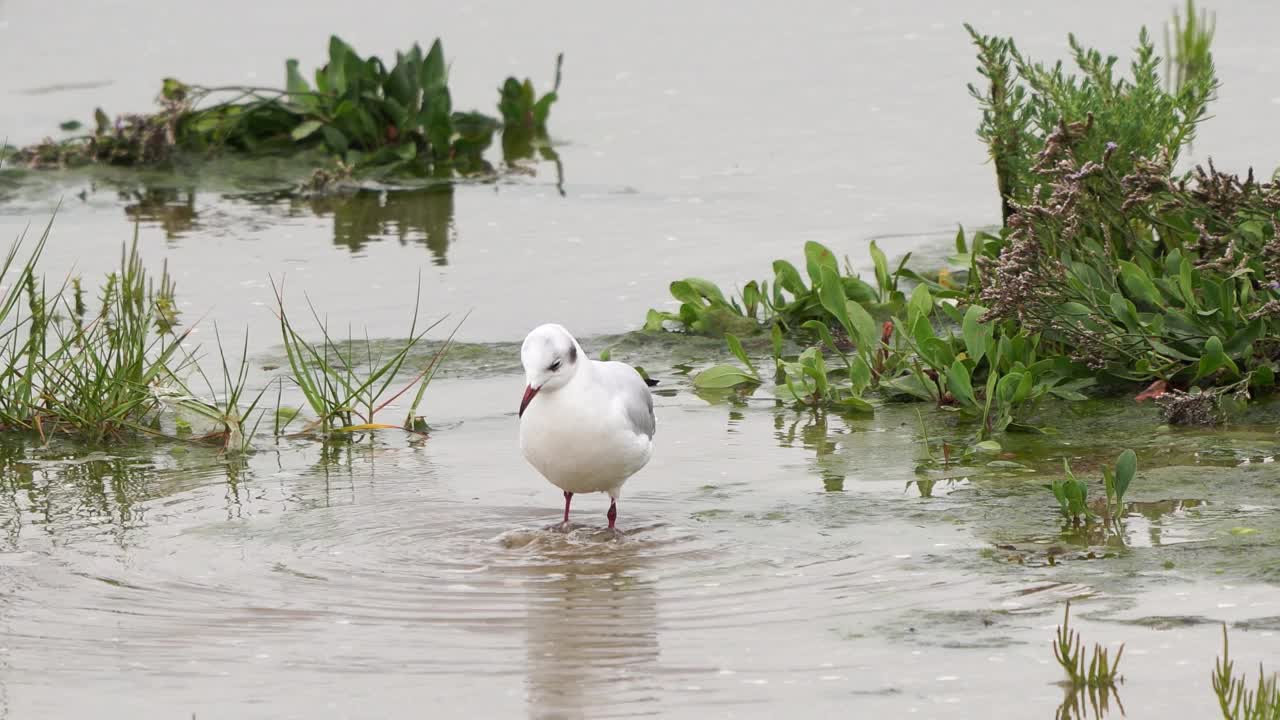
<point>650,382</point>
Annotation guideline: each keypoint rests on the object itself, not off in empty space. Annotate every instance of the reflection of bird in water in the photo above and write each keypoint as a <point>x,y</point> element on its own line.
<point>592,638</point>
<point>586,425</point>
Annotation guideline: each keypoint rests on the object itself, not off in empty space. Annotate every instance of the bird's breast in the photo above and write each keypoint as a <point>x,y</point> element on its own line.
<point>577,445</point>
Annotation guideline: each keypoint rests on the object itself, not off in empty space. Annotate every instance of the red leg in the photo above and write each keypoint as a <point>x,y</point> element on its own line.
<point>568,497</point>
<point>613,512</point>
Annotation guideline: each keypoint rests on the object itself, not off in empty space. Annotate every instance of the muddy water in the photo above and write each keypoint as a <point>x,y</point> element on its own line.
<point>774,561</point>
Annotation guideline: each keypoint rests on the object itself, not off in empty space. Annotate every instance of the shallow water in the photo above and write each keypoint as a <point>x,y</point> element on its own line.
<point>773,560</point>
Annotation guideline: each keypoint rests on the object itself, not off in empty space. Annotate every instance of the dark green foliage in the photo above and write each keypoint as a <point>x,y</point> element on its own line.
<point>521,107</point>
<point>1072,493</point>
<point>1144,276</point>
<point>1109,267</point>
<point>397,120</point>
<point>885,345</point>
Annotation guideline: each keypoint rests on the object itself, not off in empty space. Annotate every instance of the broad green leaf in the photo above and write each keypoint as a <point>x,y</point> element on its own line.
<point>1024,389</point>
<point>786,275</point>
<point>977,335</point>
<point>1138,285</point>
<point>735,347</point>
<point>723,376</point>
<point>1213,358</point>
<point>823,332</point>
<point>685,293</point>
<point>1126,313</point>
<point>707,289</point>
<point>1263,376</point>
<point>937,353</point>
<point>857,290</point>
<point>856,404</point>
<point>751,297</point>
<point>775,338</point>
<point>305,130</point>
<point>1007,387</point>
<point>961,248</point>
<point>335,139</point>
<point>1185,280</point>
<point>1238,343</point>
<point>813,364</point>
<point>299,89</point>
<point>859,375</point>
<point>831,295</point>
<point>434,72</point>
<point>882,271</point>
<point>989,396</point>
<point>1077,497</point>
<point>1059,489</point>
<point>910,385</point>
<point>865,328</point>
<point>918,308</point>
<point>653,320</point>
<point>1126,466</point>
<point>817,256</point>
<point>960,386</point>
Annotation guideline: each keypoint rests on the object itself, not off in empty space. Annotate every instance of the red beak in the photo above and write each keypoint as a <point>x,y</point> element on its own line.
<point>529,392</point>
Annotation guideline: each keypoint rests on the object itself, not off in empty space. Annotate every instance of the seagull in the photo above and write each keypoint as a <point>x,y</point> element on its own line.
<point>585,425</point>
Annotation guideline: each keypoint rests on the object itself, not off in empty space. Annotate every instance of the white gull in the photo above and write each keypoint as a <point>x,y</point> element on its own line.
<point>586,425</point>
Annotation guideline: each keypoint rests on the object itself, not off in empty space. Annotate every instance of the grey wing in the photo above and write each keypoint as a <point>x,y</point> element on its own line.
<point>633,393</point>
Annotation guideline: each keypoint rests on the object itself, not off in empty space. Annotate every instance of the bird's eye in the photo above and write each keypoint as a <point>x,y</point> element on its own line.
<point>554,366</point>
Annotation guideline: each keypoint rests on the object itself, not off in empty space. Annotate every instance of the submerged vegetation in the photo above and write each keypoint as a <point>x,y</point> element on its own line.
<point>360,115</point>
<point>1113,273</point>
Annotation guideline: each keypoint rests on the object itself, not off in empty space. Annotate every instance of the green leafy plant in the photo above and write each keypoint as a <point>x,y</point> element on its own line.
<point>1116,483</point>
<point>376,118</point>
<point>1072,494</point>
<point>929,348</point>
<point>1236,700</point>
<point>522,108</point>
<point>728,376</point>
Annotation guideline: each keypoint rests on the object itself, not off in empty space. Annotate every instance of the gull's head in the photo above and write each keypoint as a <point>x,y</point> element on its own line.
<point>551,358</point>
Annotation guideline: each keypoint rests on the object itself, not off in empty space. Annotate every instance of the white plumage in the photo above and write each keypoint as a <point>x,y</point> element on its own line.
<point>585,425</point>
